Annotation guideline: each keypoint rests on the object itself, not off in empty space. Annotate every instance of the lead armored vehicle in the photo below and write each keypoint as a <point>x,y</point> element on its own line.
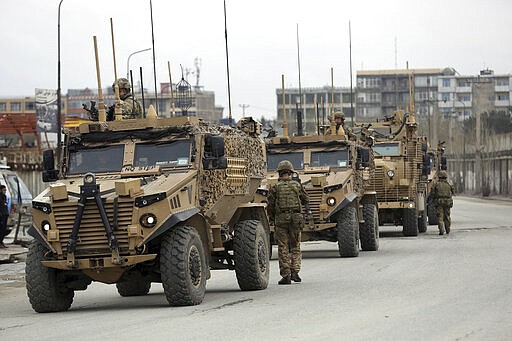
<point>335,173</point>
<point>149,200</point>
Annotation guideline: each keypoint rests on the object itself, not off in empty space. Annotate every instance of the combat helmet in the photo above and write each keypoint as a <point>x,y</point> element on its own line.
<point>285,165</point>
<point>123,83</point>
<point>443,175</point>
<point>339,114</point>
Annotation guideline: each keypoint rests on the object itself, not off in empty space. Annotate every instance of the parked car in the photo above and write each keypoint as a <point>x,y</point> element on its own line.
<point>19,198</point>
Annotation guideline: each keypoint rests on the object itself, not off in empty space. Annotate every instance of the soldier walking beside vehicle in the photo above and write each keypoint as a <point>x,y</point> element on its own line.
<point>4,214</point>
<point>442,195</point>
<point>285,202</point>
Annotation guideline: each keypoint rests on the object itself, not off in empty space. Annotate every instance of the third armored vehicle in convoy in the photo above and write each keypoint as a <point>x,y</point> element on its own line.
<point>401,173</point>
<point>149,200</point>
<point>335,173</point>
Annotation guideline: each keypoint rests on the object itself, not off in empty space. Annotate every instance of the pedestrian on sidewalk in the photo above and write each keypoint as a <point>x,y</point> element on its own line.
<point>4,214</point>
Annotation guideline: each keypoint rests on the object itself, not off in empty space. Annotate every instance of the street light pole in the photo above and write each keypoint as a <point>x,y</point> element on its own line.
<point>463,145</point>
<point>128,61</point>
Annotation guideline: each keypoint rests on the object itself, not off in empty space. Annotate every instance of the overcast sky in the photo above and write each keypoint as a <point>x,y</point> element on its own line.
<point>468,35</point>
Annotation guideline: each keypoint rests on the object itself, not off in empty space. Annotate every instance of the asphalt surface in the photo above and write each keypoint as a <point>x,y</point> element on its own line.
<point>428,287</point>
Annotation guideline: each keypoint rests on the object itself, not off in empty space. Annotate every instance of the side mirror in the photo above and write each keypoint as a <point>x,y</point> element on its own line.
<point>49,172</point>
<point>363,157</point>
<point>443,163</point>
<point>214,150</point>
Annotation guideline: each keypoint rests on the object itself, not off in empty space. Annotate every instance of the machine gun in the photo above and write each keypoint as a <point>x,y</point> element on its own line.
<point>93,113</point>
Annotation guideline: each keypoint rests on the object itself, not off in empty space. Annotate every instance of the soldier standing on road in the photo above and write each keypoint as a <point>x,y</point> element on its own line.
<point>285,202</point>
<point>4,214</point>
<point>130,106</point>
<point>442,195</point>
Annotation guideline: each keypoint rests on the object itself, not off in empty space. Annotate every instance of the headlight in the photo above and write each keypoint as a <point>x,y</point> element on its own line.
<point>148,220</point>
<point>411,205</point>
<point>89,178</point>
<point>391,173</point>
<point>331,201</point>
<point>45,225</point>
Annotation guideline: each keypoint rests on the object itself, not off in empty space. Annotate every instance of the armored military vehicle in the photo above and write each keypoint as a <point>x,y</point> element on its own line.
<point>335,172</point>
<point>149,200</point>
<point>400,172</point>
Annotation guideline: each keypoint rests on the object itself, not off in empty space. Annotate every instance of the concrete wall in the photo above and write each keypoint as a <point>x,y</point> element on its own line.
<point>496,169</point>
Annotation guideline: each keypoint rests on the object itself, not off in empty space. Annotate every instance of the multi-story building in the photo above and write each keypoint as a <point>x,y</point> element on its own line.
<point>461,95</point>
<point>317,106</point>
<point>381,92</point>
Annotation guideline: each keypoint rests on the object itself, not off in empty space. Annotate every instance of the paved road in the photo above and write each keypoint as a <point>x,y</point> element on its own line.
<point>423,288</point>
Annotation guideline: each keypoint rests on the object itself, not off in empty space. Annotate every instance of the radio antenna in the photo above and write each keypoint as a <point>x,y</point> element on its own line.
<point>117,107</point>
<point>227,64</point>
<point>153,42</point>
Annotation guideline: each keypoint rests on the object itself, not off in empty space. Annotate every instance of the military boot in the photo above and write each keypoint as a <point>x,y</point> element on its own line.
<point>447,230</point>
<point>295,277</point>
<point>285,280</point>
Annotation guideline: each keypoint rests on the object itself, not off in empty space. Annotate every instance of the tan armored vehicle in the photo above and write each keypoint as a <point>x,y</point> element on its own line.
<point>335,173</point>
<point>149,200</point>
<point>400,173</point>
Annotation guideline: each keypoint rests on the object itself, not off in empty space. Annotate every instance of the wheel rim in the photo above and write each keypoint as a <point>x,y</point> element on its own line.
<point>194,266</point>
<point>262,255</point>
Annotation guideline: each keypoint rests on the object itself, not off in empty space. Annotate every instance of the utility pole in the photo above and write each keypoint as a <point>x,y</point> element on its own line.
<point>243,106</point>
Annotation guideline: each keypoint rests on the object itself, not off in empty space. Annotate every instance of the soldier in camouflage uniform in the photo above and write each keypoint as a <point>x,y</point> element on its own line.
<point>442,196</point>
<point>131,108</point>
<point>285,202</point>
<point>341,128</point>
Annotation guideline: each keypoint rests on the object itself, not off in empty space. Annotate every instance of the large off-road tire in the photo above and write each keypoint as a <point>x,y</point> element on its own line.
<point>432,213</point>
<point>45,293</point>
<point>369,230</point>
<point>183,266</point>
<point>251,252</point>
<point>348,232</point>
<point>133,288</point>
<point>410,222</point>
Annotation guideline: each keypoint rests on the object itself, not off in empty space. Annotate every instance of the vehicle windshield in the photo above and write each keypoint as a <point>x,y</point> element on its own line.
<point>336,158</point>
<point>386,149</point>
<point>96,160</point>
<point>13,180</point>
<point>168,154</point>
<point>296,158</point>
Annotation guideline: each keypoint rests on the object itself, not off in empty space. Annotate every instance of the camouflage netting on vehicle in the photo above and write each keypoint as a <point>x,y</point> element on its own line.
<point>246,160</point>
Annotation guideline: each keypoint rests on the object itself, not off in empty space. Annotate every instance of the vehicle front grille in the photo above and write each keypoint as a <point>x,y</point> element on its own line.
<point>315,199</point>
<point>92,238</point>
<point>388,193</point>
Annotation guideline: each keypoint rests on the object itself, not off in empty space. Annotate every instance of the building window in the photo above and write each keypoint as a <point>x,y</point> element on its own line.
<point>503,97</point>
<point>30,106</point>
<point>3,106</point>
<point>502,82</point>
<point>15,106</point>
<point>463,83</point>
<point>446,82</point>
<point>445,96</point>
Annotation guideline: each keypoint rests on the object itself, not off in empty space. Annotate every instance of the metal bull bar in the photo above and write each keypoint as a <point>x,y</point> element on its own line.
<point>91,190</point>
